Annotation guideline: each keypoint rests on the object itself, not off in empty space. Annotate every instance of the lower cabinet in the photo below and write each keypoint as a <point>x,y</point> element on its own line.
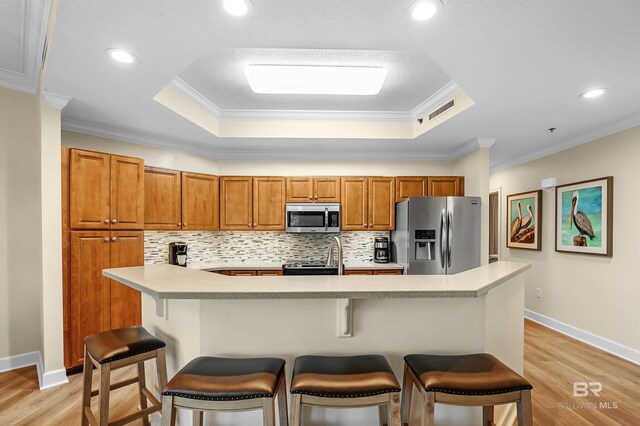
<point>374,272</point>
<point>252,273</point>
<point>96,303</point>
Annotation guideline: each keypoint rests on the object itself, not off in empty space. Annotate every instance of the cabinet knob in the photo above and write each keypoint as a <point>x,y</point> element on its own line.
<point>114,221</point>
<point>106,239</point>
<point>184,223</point>
<point>179,224</point>
<point>254,224</point>
<point>310,197</point>
<point>370,225</point>
<point>316,197</point>
<point>114,239</point>
<point>364,224</point>
<point>107,221</point>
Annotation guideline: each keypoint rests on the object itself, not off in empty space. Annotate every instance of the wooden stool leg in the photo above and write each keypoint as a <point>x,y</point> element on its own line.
<point>394,409</point>
<point>295,410</point>
<point>105,387</point>
<point>487,415</point>
<point>197,418</point>
<point>87,375</point>
<point>525,415</point>
<point>168,411</point>
<point>383,414</point>
<point>407,391</point>
<point>142,383</point>
<point>428,409</point>
<point>268,412</point>
<point>282,402</point>
<point>161,367</point>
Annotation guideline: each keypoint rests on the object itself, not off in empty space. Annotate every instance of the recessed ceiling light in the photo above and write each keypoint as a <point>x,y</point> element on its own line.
<point>315,80</point>
<point>425,9</point>
<point>593,93</point>
<point>237,7</point>
<point>121,56</point>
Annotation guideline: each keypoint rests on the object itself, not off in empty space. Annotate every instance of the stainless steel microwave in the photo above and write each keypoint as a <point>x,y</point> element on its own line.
<point>313,217</point>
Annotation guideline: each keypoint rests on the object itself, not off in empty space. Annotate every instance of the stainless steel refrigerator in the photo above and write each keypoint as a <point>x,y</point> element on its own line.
<point>437,235</point>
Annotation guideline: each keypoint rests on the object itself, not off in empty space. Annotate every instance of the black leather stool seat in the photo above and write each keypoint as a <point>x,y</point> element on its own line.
<point>226,379</point>
<point>343,376</point>
<point>473,374</point>
<point>121,343</point>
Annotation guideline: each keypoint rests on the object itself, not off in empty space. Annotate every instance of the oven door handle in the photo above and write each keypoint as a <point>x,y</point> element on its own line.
<point>326,218</point>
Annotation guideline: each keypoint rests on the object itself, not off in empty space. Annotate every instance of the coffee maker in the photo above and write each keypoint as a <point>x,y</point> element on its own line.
<point>178,254</point>
<point>381,250</point>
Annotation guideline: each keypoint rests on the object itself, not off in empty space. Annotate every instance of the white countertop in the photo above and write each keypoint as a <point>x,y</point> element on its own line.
<point>225,265</point>
<point>175,282</point>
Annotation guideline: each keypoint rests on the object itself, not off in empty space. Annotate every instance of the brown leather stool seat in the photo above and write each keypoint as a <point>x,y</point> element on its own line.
<point>362,380</point>
<point>121,343</point>
<point>474,379</point>
<point>115,349</point>
<point>227,384</point>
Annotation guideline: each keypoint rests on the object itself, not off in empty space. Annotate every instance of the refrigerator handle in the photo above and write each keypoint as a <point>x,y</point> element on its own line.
<point>449,238</point>
<point>442,237</point>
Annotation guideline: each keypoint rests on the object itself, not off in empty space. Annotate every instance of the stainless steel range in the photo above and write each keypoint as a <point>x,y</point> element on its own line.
<point>309,268</point>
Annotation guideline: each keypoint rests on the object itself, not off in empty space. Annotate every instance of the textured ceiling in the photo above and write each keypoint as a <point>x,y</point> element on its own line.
<point>523,63</point>
<point>12,34</point>
<point>218,75</point>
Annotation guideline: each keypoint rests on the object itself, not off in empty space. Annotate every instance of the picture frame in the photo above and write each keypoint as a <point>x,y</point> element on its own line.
<point>524,231</point>
<point>584,217</point>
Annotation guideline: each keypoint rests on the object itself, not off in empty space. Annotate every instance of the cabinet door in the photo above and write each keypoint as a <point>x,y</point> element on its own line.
<point>358,272</point>
<point>354,203</point>
<point>162,199</point>
<point>443,186</point>
<point>236,203</point>
<point>269,273</point>
<point>127,249</point>
<point>127,193</point>
<point>382,206</point>
<point>90,292</point>
<point>299,190</point>
<point>90,190</point>
<point>410,186</point>
<point>200,205</point>
<point>243,273</point>
<point>388,272</point>
<point>268,203</point>
<point>326,190</point>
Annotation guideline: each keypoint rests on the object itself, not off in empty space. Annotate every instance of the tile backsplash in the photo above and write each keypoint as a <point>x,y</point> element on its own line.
<point>259,246</point>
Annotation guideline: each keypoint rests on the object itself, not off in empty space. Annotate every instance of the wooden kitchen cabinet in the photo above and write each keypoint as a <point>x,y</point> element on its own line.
<point>242,273</point>
<point>268,203</point>
<point>106,191</point>
<point>269,273</point>
<point>359,272</point>
<point>368,203</point>
<point>162,199</point>
<point>199,202</point>
<point>236,203</point>
<point>410,186</point>
<point>442,186</point>
<point>387,272</point>
<point>313,190</point>
<point>97,303</point>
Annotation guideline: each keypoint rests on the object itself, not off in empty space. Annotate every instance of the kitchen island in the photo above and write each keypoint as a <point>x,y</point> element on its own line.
<point>202,313</point>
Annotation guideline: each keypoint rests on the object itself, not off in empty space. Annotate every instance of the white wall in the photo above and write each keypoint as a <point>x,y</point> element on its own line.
<point>20,224</point>
<point>594,293</point>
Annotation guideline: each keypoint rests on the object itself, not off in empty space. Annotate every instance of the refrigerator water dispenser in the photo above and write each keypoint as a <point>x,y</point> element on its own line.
<point>425,240</point>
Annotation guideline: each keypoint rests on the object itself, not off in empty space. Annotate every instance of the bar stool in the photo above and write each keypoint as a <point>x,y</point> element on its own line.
<point>227,384</point>
<point>470,380</point>
<point>111,350</point>
<point>345,382</point>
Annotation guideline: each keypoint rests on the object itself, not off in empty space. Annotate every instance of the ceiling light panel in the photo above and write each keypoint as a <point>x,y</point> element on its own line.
<point>121,56</point>
<point>593,93</point>
<point>237,7</point>
<point>315,80</point>
<point>425,9</point>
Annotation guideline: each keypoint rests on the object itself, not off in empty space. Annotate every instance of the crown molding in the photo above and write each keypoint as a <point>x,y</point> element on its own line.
<point>441,96</point>
<point>56,101</point>
<point>472,145</point>
<point>193,95</point>
<point>579,140</point>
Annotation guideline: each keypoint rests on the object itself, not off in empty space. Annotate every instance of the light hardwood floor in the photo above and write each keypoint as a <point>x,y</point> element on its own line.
<point>552,363</point>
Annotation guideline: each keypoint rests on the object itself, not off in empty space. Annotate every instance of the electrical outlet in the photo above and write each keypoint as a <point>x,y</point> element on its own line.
<point>539,293</point>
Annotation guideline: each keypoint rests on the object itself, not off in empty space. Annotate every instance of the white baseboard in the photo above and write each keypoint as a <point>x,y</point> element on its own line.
<point>621,351</point>
<point>45,380</point>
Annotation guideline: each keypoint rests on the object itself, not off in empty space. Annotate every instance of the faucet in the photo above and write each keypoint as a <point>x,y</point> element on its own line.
<point>335,241</point>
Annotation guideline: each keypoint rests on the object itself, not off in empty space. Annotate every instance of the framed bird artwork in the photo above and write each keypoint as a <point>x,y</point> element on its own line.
<point>524,220</point>
<point>584,217</point>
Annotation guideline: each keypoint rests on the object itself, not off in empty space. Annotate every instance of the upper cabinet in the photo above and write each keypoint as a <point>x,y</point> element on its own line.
<point>313,190</point>
<point>106,191</point>
<point>368,203</point>
<point>199,202</point>
<point>162,199</point>
<point>442,186</point>
<point>252,203</point>
<point>180,201</point>
<point>410,186</point>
